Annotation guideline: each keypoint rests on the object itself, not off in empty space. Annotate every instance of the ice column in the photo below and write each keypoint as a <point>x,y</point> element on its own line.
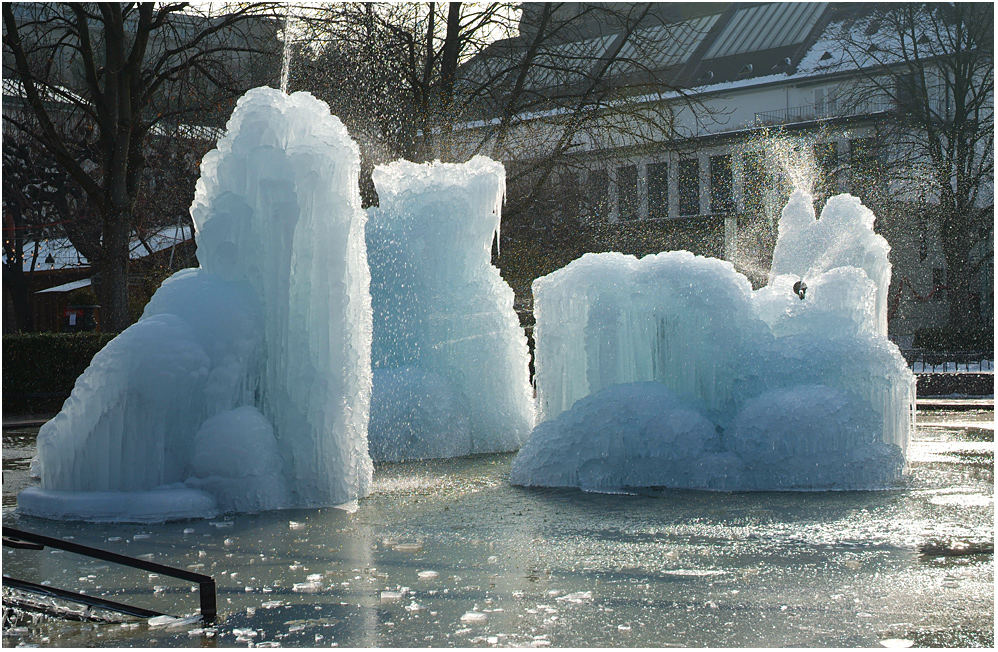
<point>448,348</point>
<point>246,383</point>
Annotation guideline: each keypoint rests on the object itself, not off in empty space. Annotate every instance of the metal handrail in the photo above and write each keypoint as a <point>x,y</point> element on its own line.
<point>827,109</point>
<point>17,538</point>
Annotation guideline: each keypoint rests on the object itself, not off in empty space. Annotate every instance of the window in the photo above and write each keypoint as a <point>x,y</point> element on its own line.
<point>864,159</point>
<point>721,198</point>
<point>597,193</point>
<point>754,183</point>
<point>658,190</point>
<point>689,187</point>
<point>627,192</point>
<point>568,191</point>
<point>923,244</point>
<point>906,92</point>
<point>826,157</point>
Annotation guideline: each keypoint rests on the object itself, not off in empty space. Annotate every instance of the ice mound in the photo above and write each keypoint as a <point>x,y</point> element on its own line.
<point>736,356</point>
<point>629,435</point>
<point>248,378</point>
<point>234,461</point>
<point>440,306</point>
<point>807,247</point>
<point>810,437</point>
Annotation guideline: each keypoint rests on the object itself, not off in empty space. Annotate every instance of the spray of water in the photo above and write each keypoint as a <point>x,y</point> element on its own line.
<point>785,164</point>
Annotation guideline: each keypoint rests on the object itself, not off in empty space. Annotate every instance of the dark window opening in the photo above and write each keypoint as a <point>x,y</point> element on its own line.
<point>689,187</point>
<point>627,192</point>
<point>568,191</point>
<point>864,159</point>
<point>826,156</point>
<point>754,183</point>
<point>658,190</point>
<point>721,197</point>
<point>597,193</point>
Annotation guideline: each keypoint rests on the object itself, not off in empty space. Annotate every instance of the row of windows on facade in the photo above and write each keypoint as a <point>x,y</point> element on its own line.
<point>756,179</point>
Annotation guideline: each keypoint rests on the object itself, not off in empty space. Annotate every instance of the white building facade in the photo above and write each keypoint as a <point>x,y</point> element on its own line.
<point>773,104</point>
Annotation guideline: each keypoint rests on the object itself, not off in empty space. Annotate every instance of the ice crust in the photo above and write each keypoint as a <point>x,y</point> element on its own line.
<point>249,378</point>
<point>806,394</point>
<point>451,360</point>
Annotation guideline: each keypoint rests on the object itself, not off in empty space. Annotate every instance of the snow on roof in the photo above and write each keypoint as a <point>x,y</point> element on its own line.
<point>67,287</point>
<point>12,87</point>
<point>65,256</point>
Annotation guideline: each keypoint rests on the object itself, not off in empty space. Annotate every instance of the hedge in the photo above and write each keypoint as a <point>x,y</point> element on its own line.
<point>954,339</point>
<point>40,369</point>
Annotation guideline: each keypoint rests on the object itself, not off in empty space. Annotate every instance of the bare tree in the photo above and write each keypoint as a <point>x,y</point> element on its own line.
<point>408,79</point>
<point>97,80</point>
<point>933,64</point>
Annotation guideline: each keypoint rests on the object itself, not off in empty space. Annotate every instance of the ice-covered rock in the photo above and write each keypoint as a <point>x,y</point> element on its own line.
<point>440,306</point>
<point>263,351</point>
<point>749,362</point>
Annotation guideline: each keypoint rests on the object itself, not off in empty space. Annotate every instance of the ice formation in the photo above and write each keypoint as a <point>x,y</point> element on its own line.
<point>450,358</point>
<point>801,394</point>
<point>246,383</point>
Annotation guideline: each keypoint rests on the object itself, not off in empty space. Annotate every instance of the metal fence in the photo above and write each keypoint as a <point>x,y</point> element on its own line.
<point>923,361</point>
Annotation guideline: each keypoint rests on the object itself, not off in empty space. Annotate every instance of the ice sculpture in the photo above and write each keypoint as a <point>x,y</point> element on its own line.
<point>450,359</point>
<point>246,383</point>
<point>800,393</point>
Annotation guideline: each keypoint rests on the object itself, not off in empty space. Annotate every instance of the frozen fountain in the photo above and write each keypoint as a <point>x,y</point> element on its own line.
<point>451,365</point>
<point>670,371</point>
<point>245,385</point>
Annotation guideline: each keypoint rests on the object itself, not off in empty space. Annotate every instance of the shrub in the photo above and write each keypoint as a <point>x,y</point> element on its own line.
<point>951,338</point>
<point>39,369</point>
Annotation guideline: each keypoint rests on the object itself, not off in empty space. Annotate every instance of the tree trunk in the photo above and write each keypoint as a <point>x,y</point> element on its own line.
<point>17,286</point>
<point>111,273</point>
<point>961,286</point>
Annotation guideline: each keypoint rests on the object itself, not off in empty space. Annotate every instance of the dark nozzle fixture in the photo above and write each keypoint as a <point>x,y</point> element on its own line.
<point>800,287</point>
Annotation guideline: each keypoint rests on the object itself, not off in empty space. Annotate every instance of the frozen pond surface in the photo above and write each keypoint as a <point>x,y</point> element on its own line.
<point>447,553</point>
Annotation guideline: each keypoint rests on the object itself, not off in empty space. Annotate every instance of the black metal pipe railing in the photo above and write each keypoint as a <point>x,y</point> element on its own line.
<point>19,538</point>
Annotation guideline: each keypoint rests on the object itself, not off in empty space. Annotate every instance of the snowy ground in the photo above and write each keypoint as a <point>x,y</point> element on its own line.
<point>419,565</point>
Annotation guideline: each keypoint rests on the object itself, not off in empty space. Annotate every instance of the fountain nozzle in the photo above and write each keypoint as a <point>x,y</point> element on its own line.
<point>800,287</point>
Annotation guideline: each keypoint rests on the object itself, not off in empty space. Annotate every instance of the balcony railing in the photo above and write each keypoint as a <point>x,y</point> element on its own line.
<point>821,111</point>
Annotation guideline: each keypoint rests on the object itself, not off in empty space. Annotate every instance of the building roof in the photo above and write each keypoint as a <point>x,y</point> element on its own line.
<point>65,256</point>
<point>766,26</point>
<point>667,45</point>
<point>714,44</point>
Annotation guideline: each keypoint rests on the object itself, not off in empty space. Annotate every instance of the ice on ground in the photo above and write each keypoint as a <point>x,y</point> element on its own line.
<point>444,326</point>
<point>811,437</point>
<point>787,393</point>
<point>167,503</point>
<point>263,350</point>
